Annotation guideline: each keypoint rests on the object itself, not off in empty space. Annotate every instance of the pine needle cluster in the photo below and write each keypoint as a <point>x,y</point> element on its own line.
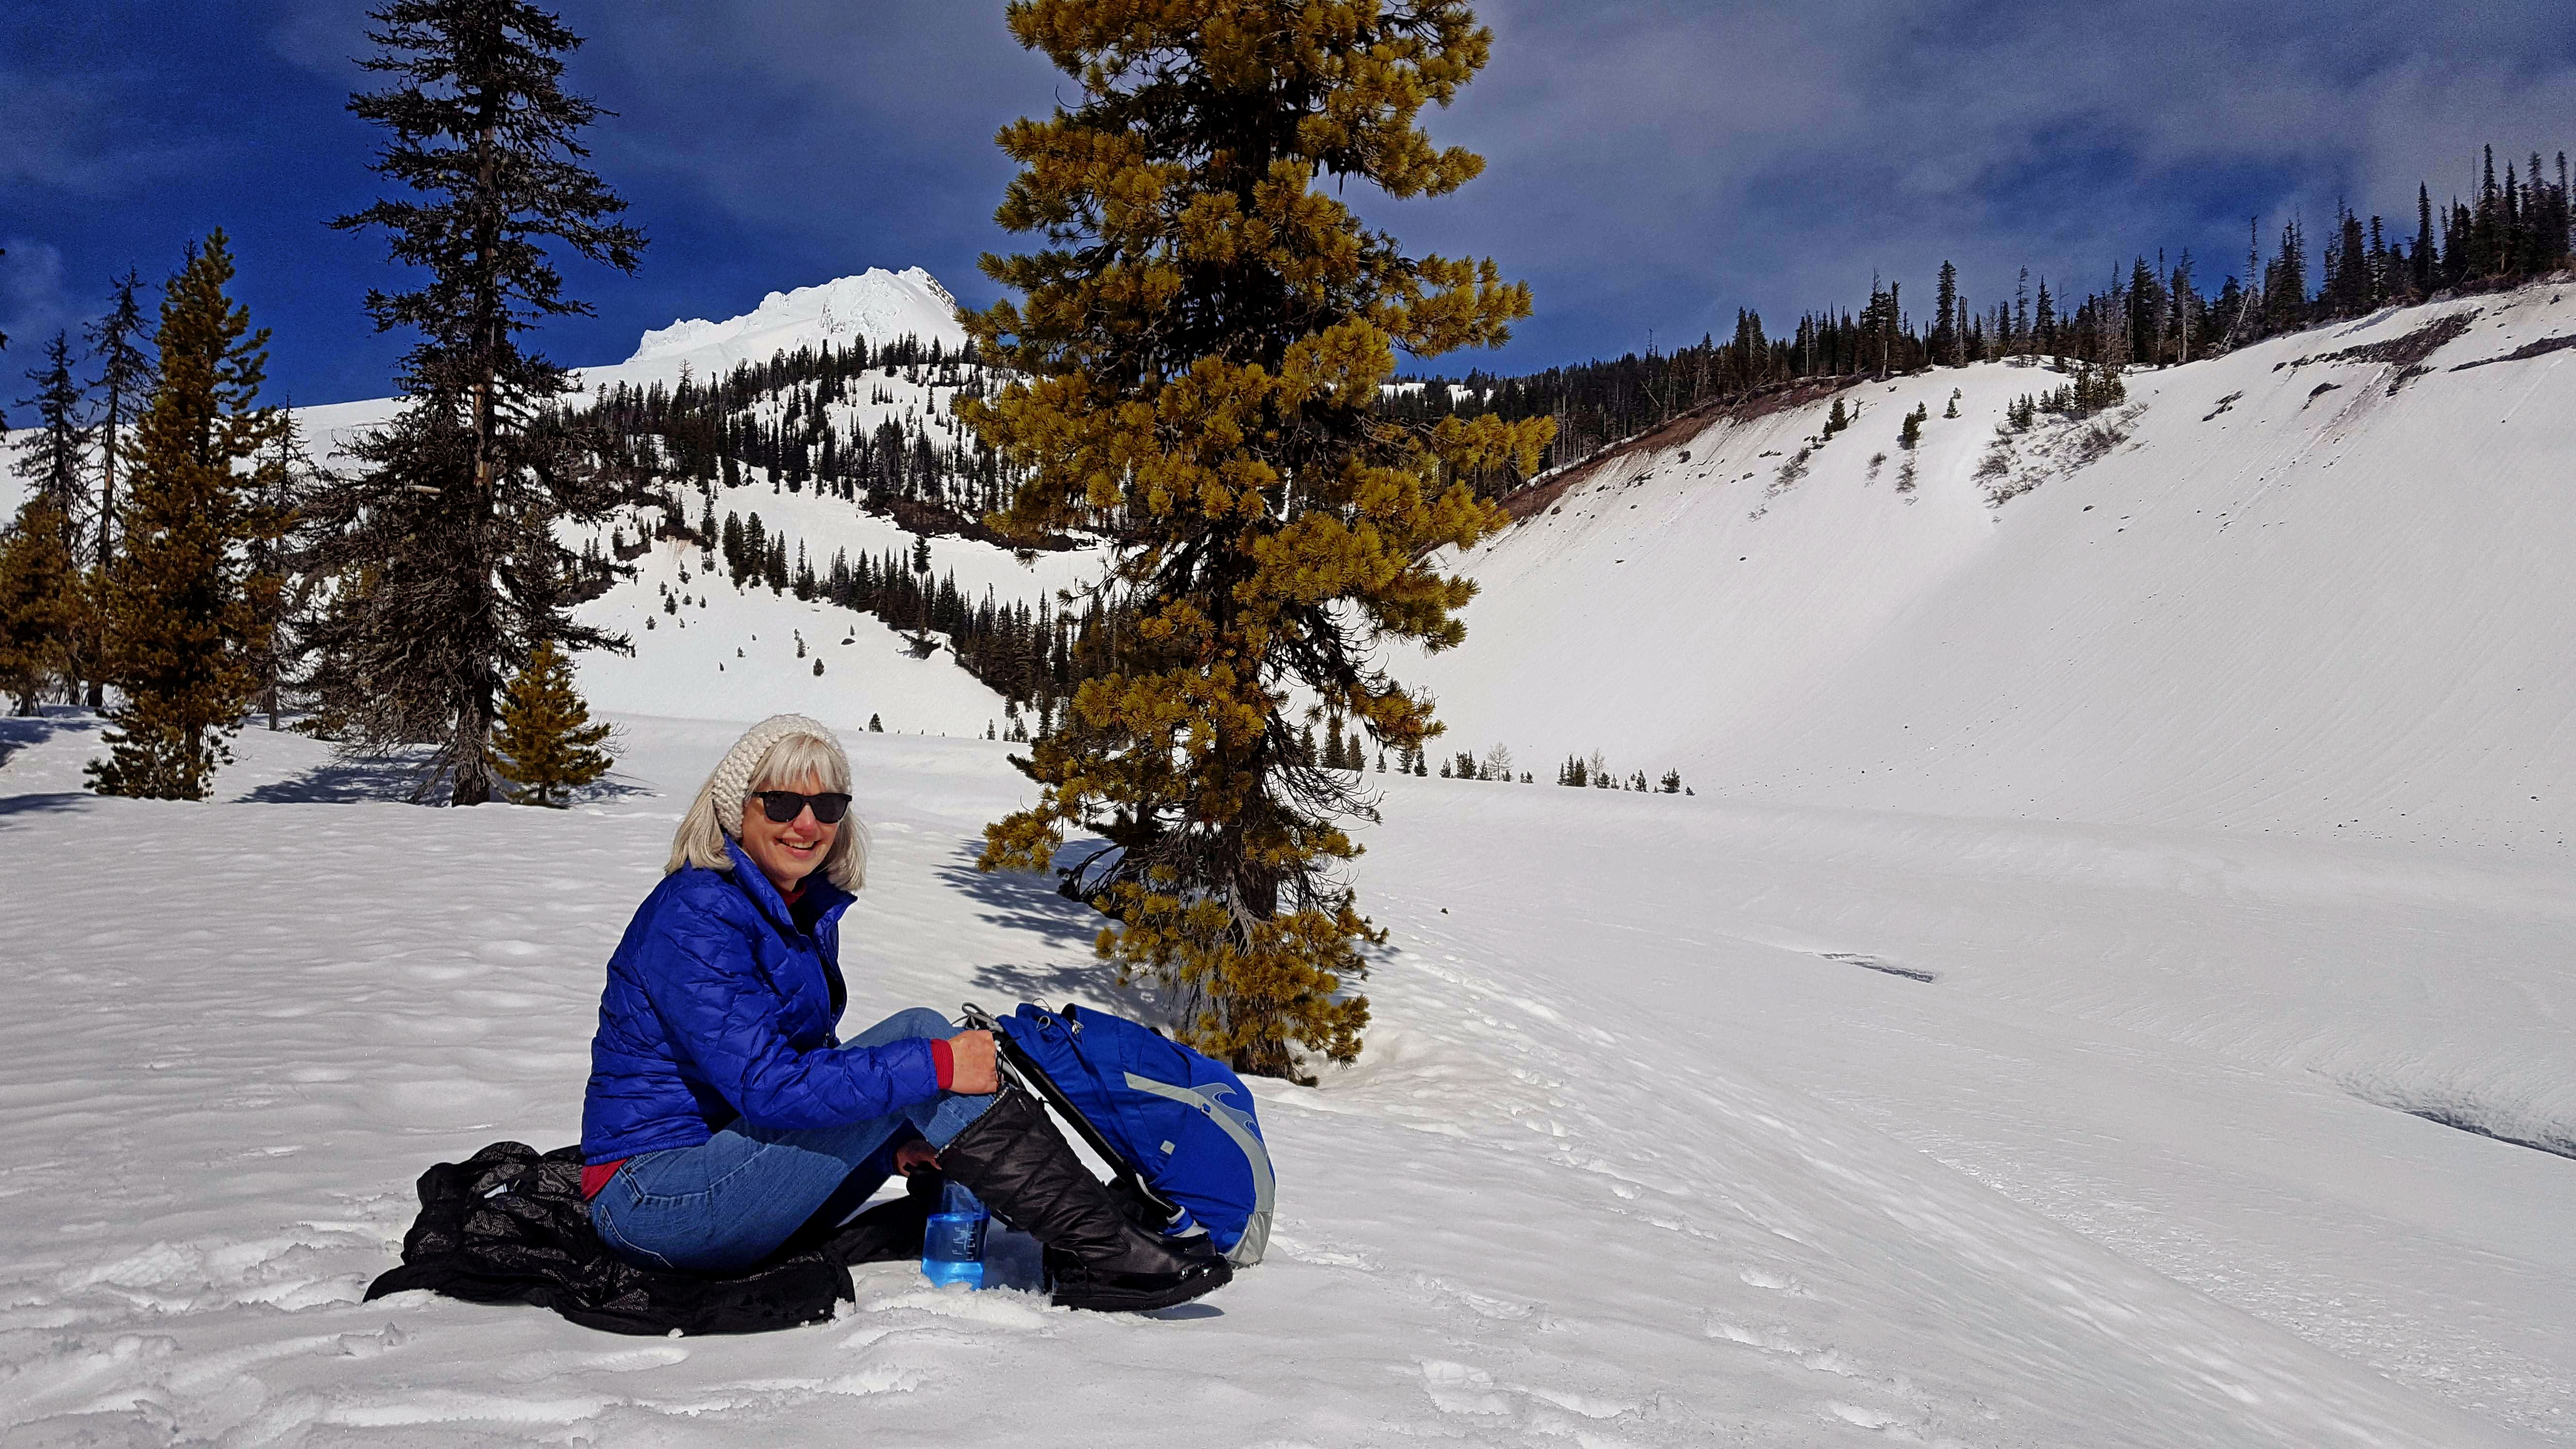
<point>1203,339</point>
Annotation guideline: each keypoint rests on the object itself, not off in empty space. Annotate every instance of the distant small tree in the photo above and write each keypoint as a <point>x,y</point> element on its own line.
<point>1672,782</point>
<point>876,726</point>
<point>546,743</point>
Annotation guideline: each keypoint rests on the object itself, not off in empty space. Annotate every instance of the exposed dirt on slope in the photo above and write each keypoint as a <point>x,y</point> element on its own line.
<point>1541,494</point>
<point>2406,353</point>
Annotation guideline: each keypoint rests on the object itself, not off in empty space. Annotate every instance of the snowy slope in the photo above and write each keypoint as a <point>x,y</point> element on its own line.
<point>1628,1162</point>
<point>733,651</point>
<point>687,665</point>
<point>2285,601</point>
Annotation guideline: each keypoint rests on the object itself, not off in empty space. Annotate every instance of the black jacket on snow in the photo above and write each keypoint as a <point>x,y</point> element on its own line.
<point>509,1225</point>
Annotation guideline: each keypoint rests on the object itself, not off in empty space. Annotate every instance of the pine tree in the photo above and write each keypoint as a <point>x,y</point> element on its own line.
<point>39,602</point>
<point>177,620</point>
<point>280,586</point>
<point>124,381</point>
<point>1947,326</point>
<point>1203,344</point>
<point>52,459</point>
<point>546,743</point>
<point>446,550</point>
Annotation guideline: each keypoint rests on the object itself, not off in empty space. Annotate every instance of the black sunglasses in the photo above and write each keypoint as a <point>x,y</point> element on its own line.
<point>782,806</point>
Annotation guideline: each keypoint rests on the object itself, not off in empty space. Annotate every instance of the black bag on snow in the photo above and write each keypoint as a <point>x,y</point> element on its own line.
<point>509,1225</point>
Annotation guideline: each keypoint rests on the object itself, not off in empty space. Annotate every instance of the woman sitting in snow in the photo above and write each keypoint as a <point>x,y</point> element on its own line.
<point>723,1114</point>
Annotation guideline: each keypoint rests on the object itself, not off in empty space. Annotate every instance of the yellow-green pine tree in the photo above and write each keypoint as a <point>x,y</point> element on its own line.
<point>40,602</point>
<point>177,618</point>
<point>546,742</point>
<point>1203,338</point>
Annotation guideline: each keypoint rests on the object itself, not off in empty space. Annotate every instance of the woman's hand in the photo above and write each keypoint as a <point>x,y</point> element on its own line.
<point>970,1064</point>
<point>913,1156</point>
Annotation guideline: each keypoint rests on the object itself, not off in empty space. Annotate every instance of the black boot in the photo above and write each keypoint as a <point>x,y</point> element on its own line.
<point>1013,1158</point>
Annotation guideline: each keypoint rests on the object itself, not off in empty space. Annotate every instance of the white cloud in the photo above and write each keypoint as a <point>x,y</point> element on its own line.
<point>33,300</point>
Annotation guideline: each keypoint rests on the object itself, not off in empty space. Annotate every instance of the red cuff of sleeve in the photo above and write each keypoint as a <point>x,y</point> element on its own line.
<point>943,1061</point>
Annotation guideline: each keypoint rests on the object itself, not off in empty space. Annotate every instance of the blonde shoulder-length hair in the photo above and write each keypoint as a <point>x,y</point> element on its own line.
<point>797,758</point>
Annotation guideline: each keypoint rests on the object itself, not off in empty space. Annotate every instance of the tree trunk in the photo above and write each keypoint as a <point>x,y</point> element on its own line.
<point>473,757</point>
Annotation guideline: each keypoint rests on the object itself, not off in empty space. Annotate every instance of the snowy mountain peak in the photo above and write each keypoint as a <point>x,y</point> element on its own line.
<point>877,305</point>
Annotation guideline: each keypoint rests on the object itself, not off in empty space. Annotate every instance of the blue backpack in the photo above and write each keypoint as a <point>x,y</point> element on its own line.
<point>1165,1117</point>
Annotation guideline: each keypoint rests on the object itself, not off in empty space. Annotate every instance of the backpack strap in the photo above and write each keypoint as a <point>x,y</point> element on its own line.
<point>1034,1078</point>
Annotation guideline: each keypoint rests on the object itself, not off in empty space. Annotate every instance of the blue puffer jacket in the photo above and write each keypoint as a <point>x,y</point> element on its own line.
<point>719,1006</point>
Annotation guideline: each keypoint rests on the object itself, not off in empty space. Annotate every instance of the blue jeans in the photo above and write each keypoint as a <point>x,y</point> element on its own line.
<point>730,1201</point>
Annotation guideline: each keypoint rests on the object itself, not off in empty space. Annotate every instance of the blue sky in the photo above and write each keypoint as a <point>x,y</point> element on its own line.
<point>1650,165</point>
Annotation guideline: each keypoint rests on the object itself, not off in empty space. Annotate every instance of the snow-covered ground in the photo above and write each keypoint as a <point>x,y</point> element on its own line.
<point>736,650</point>
<point>1651,1145</point>
<point>2037,1030</point>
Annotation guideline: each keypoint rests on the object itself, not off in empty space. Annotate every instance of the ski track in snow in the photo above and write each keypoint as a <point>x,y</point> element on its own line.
<point>1626,1163</point>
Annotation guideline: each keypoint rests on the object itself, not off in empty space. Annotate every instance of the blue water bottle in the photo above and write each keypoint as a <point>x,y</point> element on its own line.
<point>952,1249</point>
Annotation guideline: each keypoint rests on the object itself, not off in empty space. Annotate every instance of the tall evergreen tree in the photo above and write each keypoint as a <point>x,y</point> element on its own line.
<point>1947,326</point>
<point>176,618</point>
<point>445,549</point>
<point>2422,262</point>
<point>1203,343</point>
<point>281,584</point>
<point>40,602</point>
<point>52,458</point>
<point>116,342</point>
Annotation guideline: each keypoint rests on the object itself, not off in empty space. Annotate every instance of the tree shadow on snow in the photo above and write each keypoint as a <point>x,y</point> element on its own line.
<point>353,779</point>
<point>1059,964</point>
<point>22,732</point>
<point>347,780</point>
<point>39,804</point>
<point>613,786</point>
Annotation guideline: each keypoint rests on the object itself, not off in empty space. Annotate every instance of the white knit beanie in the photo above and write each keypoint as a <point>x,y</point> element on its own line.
<point>731,782</point>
